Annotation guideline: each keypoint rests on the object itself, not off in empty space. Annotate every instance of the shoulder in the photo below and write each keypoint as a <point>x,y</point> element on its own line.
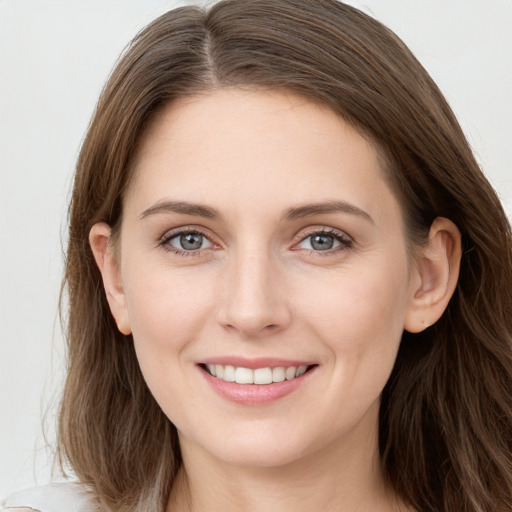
<point>57,497</point>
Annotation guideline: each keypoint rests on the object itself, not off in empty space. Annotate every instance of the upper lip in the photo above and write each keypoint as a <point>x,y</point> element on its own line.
<point>254,363</point>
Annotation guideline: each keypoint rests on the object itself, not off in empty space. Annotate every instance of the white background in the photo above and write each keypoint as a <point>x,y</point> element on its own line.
<point>54,58</point>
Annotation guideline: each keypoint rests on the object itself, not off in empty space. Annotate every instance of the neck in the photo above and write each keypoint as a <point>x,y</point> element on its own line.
<point>342,477</point>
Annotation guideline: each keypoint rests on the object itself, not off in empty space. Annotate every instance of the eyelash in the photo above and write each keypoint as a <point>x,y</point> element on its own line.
<point>344,240</point>
<point>166,239</point>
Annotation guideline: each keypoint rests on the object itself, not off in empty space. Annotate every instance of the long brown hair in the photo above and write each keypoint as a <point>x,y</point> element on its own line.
<point>446,412</point>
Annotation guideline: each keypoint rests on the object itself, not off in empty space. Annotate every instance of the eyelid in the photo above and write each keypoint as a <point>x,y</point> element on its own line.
<point>186,228</point>
<point>346,241</point>
<point>178,237</point>
<point>174,232</point>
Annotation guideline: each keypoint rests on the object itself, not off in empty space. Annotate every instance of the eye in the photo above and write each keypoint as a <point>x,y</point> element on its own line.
<point>188,241</point>
<point>323,241</point>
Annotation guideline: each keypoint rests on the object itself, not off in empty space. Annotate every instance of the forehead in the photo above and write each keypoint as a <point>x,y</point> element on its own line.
<point>232,145</point>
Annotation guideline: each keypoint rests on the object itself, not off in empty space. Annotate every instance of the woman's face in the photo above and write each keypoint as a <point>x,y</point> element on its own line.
<point>260,235</point>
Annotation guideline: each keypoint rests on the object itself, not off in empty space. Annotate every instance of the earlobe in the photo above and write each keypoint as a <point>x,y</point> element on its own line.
<point>99,239</point>
<point>437,272</point>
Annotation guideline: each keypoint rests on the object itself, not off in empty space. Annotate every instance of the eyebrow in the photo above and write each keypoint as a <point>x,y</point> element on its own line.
<point>299,212</point>
<point>326,207</point>
<point>183,207</point>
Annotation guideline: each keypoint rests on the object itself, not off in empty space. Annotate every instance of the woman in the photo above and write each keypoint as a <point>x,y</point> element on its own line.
<point>289,282</point>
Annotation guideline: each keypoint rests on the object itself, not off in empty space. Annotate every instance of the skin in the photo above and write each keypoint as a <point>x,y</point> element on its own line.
<point>259,288</point>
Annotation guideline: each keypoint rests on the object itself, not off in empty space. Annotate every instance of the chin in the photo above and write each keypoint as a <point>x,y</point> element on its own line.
<point>270,455</point>
<point>261,446</point>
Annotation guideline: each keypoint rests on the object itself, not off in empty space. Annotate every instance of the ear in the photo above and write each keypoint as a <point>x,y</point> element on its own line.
<point>99,239</point>
<point>436,275</point>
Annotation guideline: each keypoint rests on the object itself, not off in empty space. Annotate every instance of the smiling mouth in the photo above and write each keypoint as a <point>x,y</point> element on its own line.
<point>267,375</point>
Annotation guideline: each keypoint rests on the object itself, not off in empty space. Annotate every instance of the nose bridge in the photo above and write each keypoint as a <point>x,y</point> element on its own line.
<point>254,300</point>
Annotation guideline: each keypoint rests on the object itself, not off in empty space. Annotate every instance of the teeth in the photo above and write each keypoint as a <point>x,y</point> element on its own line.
<point>229,373</point>
<point>263,376</point>
<point>290,372</point>
<point>267,375</point>
<point>278,374</point>
<point>244,376</point>
<point>301,370</point>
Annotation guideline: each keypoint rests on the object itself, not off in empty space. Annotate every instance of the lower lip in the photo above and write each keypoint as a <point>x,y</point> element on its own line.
<point>255,394</point>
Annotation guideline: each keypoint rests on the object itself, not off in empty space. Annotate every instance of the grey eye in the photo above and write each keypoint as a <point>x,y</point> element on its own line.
<point>190,241</point>
<point>320,242</point>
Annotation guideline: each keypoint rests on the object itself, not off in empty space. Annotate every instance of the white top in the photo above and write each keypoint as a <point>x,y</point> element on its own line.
<point>59,497</point>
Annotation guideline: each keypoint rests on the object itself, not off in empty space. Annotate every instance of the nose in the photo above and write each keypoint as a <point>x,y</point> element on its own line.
<point>253,298</point>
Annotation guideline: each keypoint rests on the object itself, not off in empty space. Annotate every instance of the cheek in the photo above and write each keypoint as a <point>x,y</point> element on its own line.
<point>360,312</point>
<point>360,322</point>
<point>166,310</point>
<point>365,302</point>
<point>167,316</point>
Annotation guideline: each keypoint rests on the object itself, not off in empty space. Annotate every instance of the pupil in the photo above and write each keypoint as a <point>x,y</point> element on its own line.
<point>191,241</point>
<point>322,242</point>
